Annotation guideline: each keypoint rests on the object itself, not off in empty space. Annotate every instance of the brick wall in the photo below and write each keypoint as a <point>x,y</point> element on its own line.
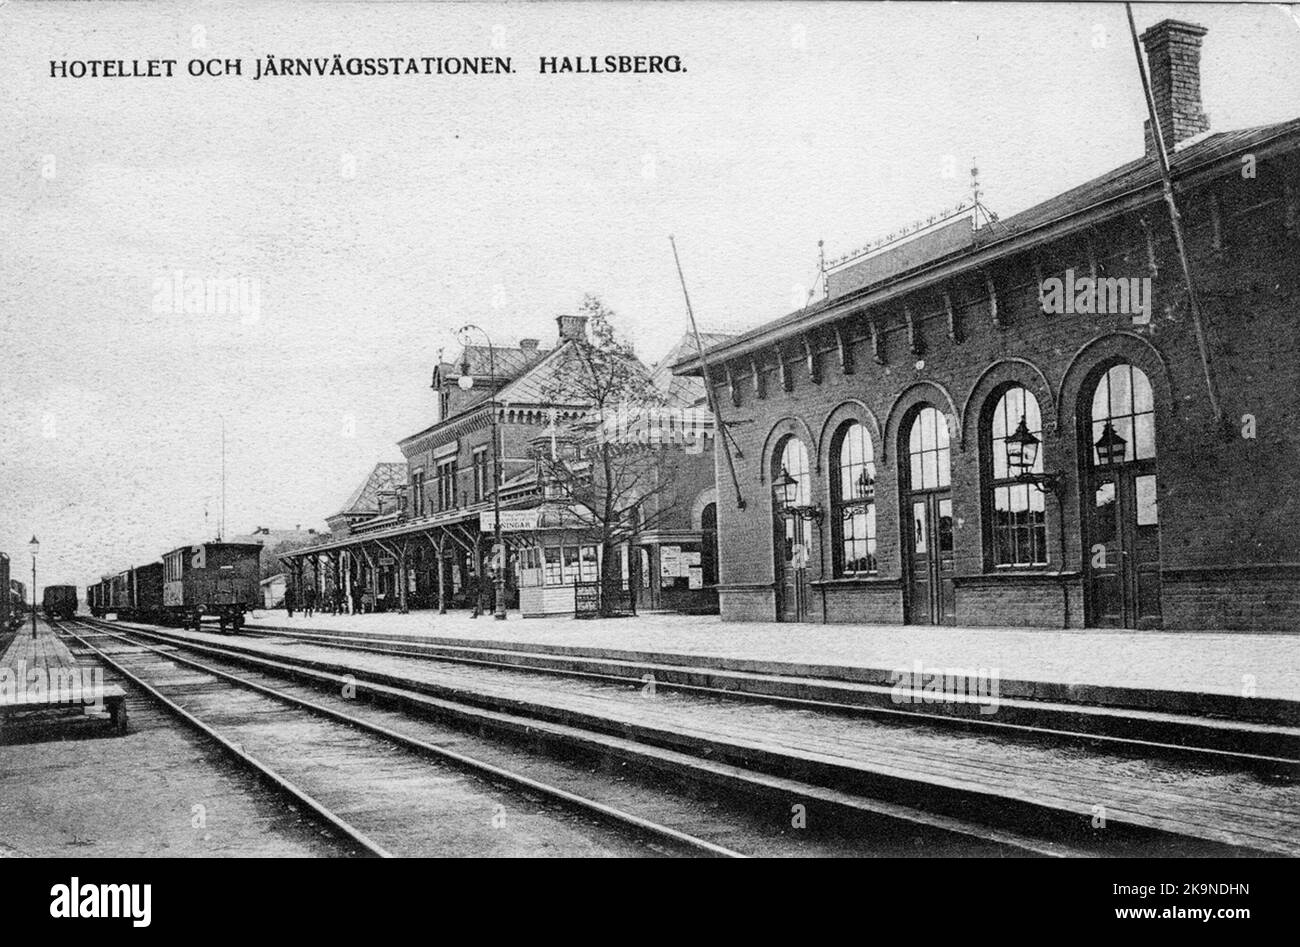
<point>1224,499</point>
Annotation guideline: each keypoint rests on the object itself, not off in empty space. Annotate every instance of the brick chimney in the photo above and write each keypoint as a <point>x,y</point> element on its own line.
<point>572,327</point>
<point>529,346</point>
<point>1174,62</point>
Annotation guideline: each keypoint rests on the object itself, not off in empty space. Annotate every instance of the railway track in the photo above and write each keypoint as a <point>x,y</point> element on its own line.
<point>1268,756</point>
<point>863,825</point>
<point>443,794</point>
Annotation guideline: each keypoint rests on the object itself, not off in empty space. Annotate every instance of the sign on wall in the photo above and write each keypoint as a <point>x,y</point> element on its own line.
<point>512,521</point>
<point>670,561</point>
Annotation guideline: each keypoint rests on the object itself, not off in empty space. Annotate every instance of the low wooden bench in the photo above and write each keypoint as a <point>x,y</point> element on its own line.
<point>47,654</point>
<point>114,702</point>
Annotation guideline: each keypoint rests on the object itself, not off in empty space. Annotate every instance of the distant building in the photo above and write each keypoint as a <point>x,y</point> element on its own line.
<point>420,534</point>
<point>273,590</point>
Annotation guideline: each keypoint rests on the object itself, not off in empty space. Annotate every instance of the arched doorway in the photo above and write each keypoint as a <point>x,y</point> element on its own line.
<point>1121,519</point>
<point>927,520</point>
<point>792,534</point>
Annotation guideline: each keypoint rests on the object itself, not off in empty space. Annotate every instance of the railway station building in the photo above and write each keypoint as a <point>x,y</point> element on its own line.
<point>1027,422</point>
<point>419,533</point>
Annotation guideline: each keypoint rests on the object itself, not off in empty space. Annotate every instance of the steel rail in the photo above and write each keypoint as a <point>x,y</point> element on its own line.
<point>326,640</point>
<point>600,809</point>
<point>282,783</point>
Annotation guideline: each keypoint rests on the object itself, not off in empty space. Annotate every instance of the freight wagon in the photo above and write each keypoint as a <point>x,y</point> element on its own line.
<point>59,601</point>
<point>132,595</point>
<point>212,579</point>
<point>6,607</point>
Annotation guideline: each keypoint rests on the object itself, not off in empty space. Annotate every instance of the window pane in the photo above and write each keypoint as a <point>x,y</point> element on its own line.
<point>926,420</point>
<point>1144,447</point>
<point>1103,502</point>
<point>1142,399</point>
<point>941,429</point>
<point>1124,428</point>
<point>920,537</point>
<point>1121,397</point>
<point>1097,428</point>
<point>945,526</point>
<point>588,563</point>
<point>945,462</point>
<point>929,469</point>
<point>916,472</point>
<point>1144,489</point>
<point>999,448</point>
<point>1100,399</point>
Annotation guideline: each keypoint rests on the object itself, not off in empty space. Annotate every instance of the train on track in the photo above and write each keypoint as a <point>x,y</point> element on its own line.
<point>11,611</point>
<point>60,601</point>
<point>192,583</point>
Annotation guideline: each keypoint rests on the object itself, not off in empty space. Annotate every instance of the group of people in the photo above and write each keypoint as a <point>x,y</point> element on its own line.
<point>332,601</point>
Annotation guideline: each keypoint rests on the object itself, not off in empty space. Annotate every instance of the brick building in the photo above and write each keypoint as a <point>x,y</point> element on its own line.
<point>886,430</point>
<point>419,533</point>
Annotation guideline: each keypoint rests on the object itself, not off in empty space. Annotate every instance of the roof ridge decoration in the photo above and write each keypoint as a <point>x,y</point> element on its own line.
<point>918,226</point>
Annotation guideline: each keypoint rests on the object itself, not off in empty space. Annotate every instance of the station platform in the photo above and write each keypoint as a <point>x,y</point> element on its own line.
<point>45,651</point>
<point>1212,672</point>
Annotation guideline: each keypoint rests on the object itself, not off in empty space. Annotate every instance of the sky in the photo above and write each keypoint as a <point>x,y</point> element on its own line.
<point>365,219</point>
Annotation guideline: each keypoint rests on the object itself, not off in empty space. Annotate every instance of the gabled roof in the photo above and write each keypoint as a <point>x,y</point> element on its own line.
<point>508,361</point>
<point>681,390</point>
<point>365,498</point>
<point>1126,181</point>
<point>536,385</point>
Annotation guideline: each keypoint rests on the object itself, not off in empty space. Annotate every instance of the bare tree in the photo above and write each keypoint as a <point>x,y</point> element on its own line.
<point>609,469</point>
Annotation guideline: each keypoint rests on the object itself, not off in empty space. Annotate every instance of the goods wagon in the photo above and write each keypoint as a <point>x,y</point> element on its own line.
<point>212,579</point>
<point>59,601</point>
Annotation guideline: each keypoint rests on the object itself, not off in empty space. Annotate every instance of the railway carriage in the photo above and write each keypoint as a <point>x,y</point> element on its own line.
<point>18,604</point>
<point>60,601</point>
<point>99,597</point>
<point>136,594</point>
<point>209,579</point>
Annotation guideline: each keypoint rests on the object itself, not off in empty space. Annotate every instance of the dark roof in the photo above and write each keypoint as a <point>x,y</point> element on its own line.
<point>1135,176</point>
<point>365,498</point>
<point>536,385</point>
<point>510,361</point>
<point>682,390</point>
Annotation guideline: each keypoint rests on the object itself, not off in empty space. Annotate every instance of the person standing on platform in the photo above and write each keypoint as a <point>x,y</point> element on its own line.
<point>289,600</point>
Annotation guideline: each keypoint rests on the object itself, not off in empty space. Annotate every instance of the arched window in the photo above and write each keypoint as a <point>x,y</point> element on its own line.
<point>792,487</point>
<point>1123,417</point>
<point>928,447</point>
<point>793,465</point>
<point>853,490</point>
<point>1017,534</point>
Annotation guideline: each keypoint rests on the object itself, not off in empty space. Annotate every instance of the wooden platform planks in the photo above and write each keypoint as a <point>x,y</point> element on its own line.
<point>45,651</point>
<point>46,656</point>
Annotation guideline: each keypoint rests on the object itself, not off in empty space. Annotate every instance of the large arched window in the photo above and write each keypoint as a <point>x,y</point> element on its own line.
<point>853,490</point>
<point>1017,534</point>
<point>1123,417</point>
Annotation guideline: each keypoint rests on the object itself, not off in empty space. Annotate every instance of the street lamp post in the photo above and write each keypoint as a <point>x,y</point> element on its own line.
<point>466,382</point>
<point>35,547</point>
